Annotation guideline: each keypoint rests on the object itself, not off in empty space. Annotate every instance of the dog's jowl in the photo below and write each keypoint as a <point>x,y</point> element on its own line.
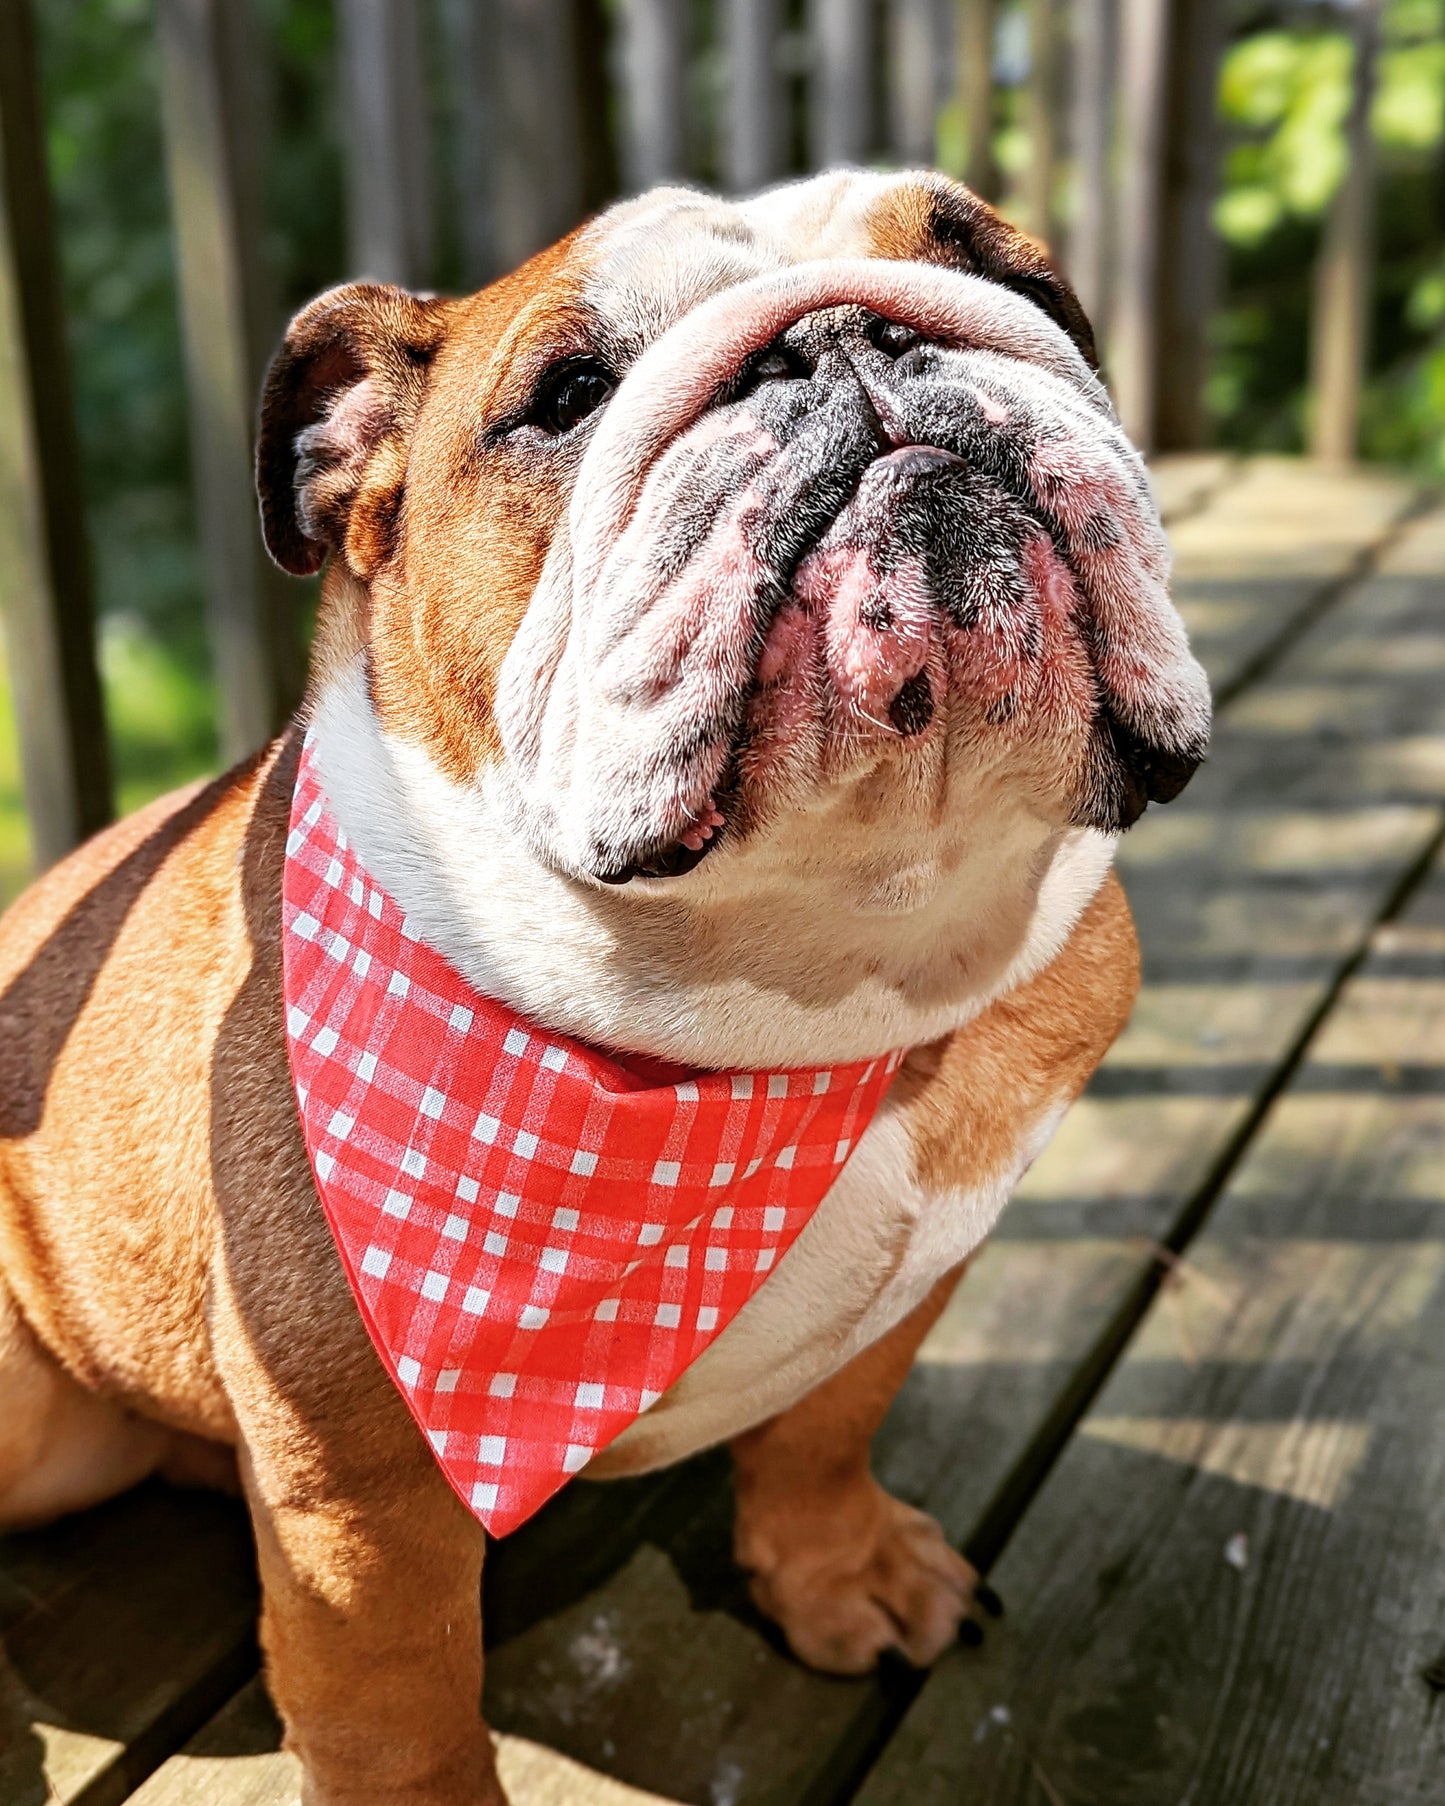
<point>608,1019</point>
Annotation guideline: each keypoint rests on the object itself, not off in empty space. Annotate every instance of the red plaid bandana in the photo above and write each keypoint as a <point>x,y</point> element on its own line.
<point>540,1235</point>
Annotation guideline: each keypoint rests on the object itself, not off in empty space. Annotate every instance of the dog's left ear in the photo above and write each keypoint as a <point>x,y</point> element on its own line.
<point>340,399</point>
<point>965,233</point>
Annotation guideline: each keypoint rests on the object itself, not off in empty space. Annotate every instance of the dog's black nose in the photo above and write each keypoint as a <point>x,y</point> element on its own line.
<point>857,332</point>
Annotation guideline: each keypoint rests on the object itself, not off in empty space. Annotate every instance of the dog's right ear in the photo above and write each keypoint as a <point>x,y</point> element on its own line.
<point>339,402</point>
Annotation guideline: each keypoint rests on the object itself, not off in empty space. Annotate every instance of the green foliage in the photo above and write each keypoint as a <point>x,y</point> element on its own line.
<point>1292,94</point>
<point>1284,98</point>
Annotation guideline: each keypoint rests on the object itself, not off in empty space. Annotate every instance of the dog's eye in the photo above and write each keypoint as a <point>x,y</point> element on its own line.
<point>571,391</point>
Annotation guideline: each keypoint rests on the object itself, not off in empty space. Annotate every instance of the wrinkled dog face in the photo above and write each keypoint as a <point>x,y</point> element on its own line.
<point>721,523</point>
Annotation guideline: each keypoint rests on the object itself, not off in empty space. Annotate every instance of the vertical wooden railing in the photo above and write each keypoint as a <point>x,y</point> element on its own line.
<point>228,323</point>
<point>555,106</point>
<point>45,591</point>
<point>385,120</point>
<point>1340,326</point>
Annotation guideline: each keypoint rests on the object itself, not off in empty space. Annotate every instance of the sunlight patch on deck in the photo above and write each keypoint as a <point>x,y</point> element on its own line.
<point>1312,1463</point>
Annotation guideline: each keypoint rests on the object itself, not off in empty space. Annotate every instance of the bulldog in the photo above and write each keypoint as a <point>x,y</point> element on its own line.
<point>745,635</point>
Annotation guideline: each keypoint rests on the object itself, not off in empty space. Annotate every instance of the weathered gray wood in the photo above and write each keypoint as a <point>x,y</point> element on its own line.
<point>385,131</point>
<point>1089,245</point>
<point>544,162</point>
<point>45,590</point>
<point>1189,247</point>
<point>469,66</point>
<point>1339,326</point>
<point>123,1629</point>
<point>235,1761</point>
<point>1045,94</point>
<point>840,94</point>
<point>1231,1586</point>
<point>974,22</point>
<point>912,81</point>
<point>1133,327</point>
<point>228,323</point>
<point>656,85</point>
<point>756,125</point>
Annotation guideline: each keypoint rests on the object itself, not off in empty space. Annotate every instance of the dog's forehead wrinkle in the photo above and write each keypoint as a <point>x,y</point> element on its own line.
<point>653,259</point>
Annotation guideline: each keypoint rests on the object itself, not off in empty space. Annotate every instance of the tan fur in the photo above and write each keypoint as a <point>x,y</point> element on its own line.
<point>169,1289</point>
<point>1031,1047</point>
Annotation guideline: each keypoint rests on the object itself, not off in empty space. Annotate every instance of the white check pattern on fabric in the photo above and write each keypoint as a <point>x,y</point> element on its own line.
<point>540,1235</point>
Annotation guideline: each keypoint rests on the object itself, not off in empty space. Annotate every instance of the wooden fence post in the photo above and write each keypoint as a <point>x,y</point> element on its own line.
<point>656,65</point>
<point>385,130</point>
<point>228,326</point>
<point>840,95</point>
<point>1095,50</point>
<point>1144,36</point>
<point>471,94</point>
<point>1340,322</point>
<point>912,81</point>
<point>1044,94</point>
<point>45,592</point>
<point>1189,248</point>
<point>974,22</point>
<point>545,171</point>
<point>755,133</point>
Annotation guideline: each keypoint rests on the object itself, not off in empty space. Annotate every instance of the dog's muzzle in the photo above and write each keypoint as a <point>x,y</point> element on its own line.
<point>866,540</point>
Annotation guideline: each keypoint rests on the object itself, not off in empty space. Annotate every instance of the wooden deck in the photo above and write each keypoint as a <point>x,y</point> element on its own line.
<point>1189,1407</point>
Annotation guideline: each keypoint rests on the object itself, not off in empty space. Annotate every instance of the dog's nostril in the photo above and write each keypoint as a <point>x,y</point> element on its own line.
<point>777,363</point>
<point>893,337</point>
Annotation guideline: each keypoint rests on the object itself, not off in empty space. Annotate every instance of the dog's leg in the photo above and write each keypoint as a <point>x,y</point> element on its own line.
<point>846,1569</point>
<point>61,1448</point>
<point>371,1625</point>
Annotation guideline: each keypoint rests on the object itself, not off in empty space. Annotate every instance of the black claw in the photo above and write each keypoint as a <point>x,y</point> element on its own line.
<point>988,1599</point>
<point>970,1633</point>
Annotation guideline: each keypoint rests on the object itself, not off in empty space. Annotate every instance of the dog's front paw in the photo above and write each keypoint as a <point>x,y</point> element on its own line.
<point>872,1575</point>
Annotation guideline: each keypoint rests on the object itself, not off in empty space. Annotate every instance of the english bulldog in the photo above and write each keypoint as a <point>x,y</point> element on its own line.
<point>745,635</point>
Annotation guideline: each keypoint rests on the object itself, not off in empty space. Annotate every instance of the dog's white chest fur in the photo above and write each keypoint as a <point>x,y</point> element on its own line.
<point>881,1238</point>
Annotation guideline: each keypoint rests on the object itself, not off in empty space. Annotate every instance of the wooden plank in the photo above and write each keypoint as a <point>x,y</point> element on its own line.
<point>912,66</point>
<point>755,132</point>
<point>123,1630</point>
<point>974,24</point>
<point>1251,892</point>
<point>656,92</point>
<point>1339,325</point>
<point>385,131</point>
<point>471,102</point>
<point>1045,90</point>
<point>1278,543</point>
<point>228,326</point>
<point>840,97</point>
<point>1143,41</point>
<point>542,67</point>
<point>1090,241</point>
<point>1190,250</point>
<point>235,1761</point>
<point>1231,1586</point>
<point>45,588</point>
